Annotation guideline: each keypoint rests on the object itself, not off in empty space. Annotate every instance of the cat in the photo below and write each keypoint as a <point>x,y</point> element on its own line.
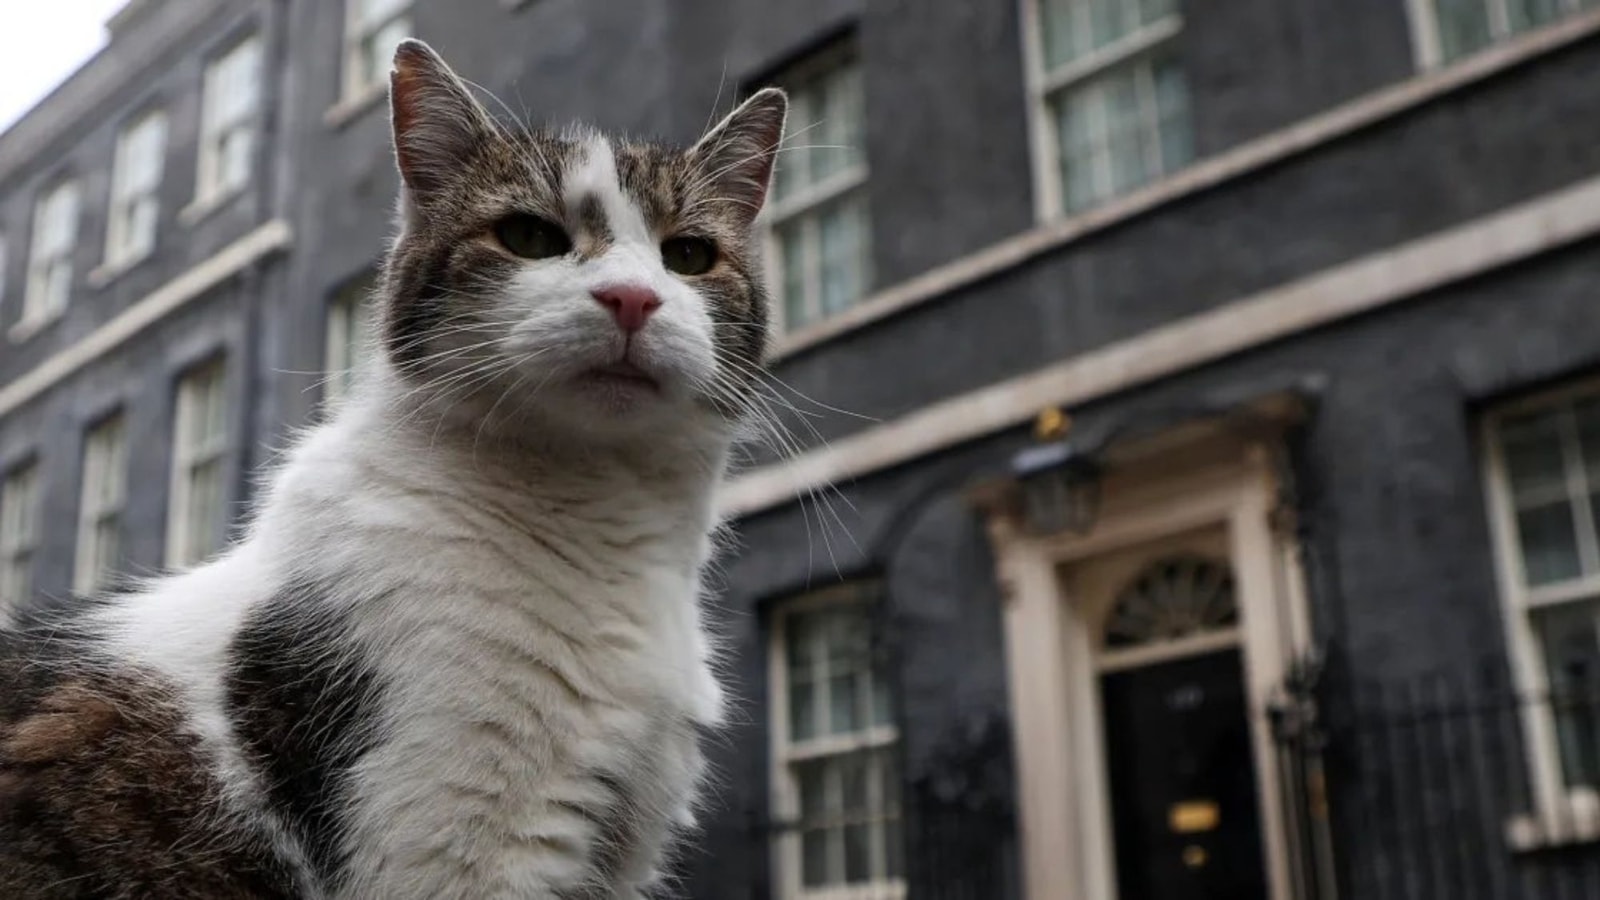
<point>459,651</point>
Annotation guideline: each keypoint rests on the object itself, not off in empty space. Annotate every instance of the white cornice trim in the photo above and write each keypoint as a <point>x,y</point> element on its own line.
<point>265,240</point>
<point>1346,290</point>
<point>1249,157</point>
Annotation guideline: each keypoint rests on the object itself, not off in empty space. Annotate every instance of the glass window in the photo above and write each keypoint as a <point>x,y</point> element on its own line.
<point>229,120</point>
<point>105,490</point>
<point>197,515</point>
<point>1547,462</point>
<point>19,537</point>
<point>821,231</point>
<point>1117,101</point>
<point>373,29</point>
<point>1464,27</point>
<point>836,751</point>
<point>135,180</point>
<point>55,236</point>
<point>349,337</point>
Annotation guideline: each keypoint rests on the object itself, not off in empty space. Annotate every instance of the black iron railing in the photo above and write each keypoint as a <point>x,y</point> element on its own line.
<point>1432,790</point>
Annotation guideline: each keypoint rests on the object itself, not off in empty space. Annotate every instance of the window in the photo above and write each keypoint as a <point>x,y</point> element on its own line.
<point>55,233</point>
<point>200,443</point>
<point>350,325</point>
<point>19,533</point>
<point>105,488</point>
<point>818,214</point>
<point>1544,463</point>
<point>1114,102</point>
<point>373,28</point>
<point>837,785</point>
<point>1448,30</point>
<point>228,121</point>
<point>136,176</point>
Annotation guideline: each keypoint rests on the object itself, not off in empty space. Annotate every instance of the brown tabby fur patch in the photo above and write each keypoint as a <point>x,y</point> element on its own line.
<point>102,794</point>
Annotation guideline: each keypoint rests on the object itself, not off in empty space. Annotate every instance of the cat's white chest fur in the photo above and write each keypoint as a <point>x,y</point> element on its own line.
<point>545,671</point>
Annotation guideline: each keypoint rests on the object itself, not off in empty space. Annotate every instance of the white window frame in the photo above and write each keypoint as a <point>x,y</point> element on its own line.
<point>1554,802</point>
<point>103,496</point>
<point>215,128</point>
<point>786,754</point>
<point>810,201</point>
<point>40,304</point>
<point>1043,85</point>
<point>189,455</point>
<point>1427,42</point>
<point>20,508</point>
<point>356,83</point>
<point>349,330</point>
<point>127,244</point>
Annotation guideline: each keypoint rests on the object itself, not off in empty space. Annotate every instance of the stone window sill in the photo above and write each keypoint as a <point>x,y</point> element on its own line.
<point>24,329</point>
<point>110,271</point>
<point>1576,820</point>
<point>202,207</point>
<point>354,106</point>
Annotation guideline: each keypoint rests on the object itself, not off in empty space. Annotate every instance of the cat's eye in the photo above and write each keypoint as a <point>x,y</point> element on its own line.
<point>531,237</point>
<point>688,255</point>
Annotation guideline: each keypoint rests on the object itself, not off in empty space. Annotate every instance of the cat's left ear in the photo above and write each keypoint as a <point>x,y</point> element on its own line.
<point>437,121</point>
<point>735,158</point>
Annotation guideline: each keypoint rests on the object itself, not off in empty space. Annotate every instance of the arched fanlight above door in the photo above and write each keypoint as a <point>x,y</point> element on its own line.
<point>1173,598</point>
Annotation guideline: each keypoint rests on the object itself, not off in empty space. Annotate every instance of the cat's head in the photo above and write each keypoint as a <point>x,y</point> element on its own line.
<point>574,280</point>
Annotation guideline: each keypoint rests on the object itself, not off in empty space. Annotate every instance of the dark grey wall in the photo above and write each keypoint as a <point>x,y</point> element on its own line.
<point>1467,154</point>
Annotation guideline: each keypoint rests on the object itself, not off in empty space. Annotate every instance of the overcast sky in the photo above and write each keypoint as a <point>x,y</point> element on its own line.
<point>41,43</point>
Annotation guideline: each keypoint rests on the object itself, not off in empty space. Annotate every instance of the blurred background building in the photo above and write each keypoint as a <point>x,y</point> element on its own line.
<point>1218,510</point>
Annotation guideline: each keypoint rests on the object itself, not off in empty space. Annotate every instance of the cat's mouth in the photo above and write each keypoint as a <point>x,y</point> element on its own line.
<point>623,374</point>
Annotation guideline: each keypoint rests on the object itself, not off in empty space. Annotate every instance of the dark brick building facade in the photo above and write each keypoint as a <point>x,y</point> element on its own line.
<point>1317,284</point>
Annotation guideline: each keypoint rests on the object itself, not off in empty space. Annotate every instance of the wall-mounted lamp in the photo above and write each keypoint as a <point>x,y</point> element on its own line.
<point>1059,486</point>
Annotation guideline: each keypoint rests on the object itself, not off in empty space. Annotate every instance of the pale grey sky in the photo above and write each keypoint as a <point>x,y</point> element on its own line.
<point>41,43</point>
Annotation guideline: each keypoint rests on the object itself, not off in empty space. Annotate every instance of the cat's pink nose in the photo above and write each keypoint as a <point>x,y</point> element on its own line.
<point>630,304</point>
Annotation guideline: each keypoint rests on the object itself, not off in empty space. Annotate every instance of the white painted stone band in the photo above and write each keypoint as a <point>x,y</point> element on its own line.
<point>268,238</point>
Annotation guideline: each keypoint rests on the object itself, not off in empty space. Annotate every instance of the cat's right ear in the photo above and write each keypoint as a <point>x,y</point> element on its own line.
<point>437,122</point>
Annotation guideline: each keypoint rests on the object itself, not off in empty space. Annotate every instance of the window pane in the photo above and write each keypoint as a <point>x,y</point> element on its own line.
<point>1549,543</point>
<point>802,712</point>
<point>840,128</point>
<point>371,12</point>
<point>1126,133</point>
<point>882,711</point>
<point>1587,415</point>
<point>857,853</point>
<point>814,849</point>
<point>1463,26</point>
<point>1172,112</point>
<point>894,850</point>
<point>1571,644</point>
<point>1109,20</point>
<point>377,49</point>
<point>1061,37</point>
<point>1075,110</point>
<point>792,252</point>
<point>843,717</point>
<point>793,167</point>
<point>843,229</point>
<point>1532,448</point>
<point>1525,14</point>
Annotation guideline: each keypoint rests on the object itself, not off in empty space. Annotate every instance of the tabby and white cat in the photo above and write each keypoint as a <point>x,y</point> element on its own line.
<point>459,652</point>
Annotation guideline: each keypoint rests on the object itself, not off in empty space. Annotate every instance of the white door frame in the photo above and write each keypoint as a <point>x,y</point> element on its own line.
<point>1220,482</point>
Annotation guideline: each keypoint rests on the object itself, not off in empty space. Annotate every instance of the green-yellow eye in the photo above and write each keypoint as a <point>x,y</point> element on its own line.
<point>688,255</point>
<point>531,237</point>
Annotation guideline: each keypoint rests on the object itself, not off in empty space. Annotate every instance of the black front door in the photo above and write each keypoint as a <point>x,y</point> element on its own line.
<point>1183,791</point>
